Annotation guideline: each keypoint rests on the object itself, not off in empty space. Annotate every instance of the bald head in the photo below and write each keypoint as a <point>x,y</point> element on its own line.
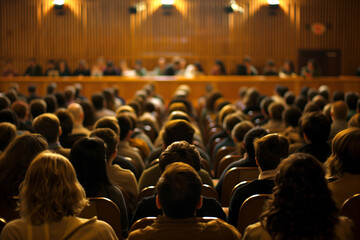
<point>77,111</point>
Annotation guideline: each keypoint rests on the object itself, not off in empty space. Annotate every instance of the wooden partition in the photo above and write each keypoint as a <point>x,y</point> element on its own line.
<point>166,86</point>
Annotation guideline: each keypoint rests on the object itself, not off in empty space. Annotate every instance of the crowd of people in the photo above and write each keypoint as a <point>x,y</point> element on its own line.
<point>176,66</point>
<point>57,150</point>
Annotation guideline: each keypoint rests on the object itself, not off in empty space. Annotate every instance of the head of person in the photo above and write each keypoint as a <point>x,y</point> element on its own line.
<point>302,197</point>
<point>21,109</point>
<point>37,107</point>
<point>264,105</point>
<point>15,160</point>
<point>97,100</point>
<point>291,116</point>
<point>339,110</point>
<point>180,151</point>
<point>270,150</point>
<point>110,138</point>
<point>48,125</point>
<point>125,125</point>
<point>108,122</point>
<point>230,121</point>
<point>338,96</point>
<point>240,129</point>
<point>77,112</point>
<point>51,190</point>
<point>66,121</point>
<point>51,103</point>
<point>345,157</point>
<point>7,134</point>
<point>177,130</point>
<point>8,115</point>
<point>179,191</point>
<point>315,126</point>
<point>351,99</point>
<point>275,110</point>
<point>249,139</point>
<point>89,114</point>
<point>354,121</point>
<point>88,156</point>
<point>4,102</point>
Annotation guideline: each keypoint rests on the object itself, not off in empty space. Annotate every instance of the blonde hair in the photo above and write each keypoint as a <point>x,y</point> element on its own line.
<point>50,190</point>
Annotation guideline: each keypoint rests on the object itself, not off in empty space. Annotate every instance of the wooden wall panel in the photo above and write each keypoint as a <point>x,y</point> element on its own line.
<point>198,30</point>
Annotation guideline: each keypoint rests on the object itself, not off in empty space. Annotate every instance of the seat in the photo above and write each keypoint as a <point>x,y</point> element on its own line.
<point>237,186</point>
<point>224,162</point>
<point>105,210</point>
<point>222,152</point>
<point>351,209</point>
<point>150,132</point>
<point>208,191</point>
<point>8,209</point>
<point>250,211</point>
<point>233,177</point>
<point>147,221</point>
<point>2,224</point>
<point>146,192</point>
<point>205,165</point>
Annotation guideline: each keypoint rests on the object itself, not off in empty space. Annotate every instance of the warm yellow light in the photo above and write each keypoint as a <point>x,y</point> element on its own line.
<point>273,2</point>
<point>167,2</point>
<point>58,2</point>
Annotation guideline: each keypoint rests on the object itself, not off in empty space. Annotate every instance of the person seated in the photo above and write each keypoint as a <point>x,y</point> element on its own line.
<point>51,69</point>
<point>139,69</point>
<point>48,125</point>
<point>15,160</point>
<point>238,135</point>
<point>290,117</point>
<point>246,68</point>
<point>344,165</point>
<point>315,127</point>
<point>37,107</point>
<point>287,69</point>
<point>179,196</point>
<point>122,178</point>
<point>351,99</point>
<point>33,68</point>
<point>269,151</point>
<point>110,69</point>
<point>82,69</point>
<point>63,68</point>
<point>51,197</point>
<point>7,134</point>
<point>175,130</point>
<point>180,151</point>
<point>22,111</point>
<point>301,206</point>
<point>9,70</point>
<point>88,156</point>
<point>270,68</point>
<point>311,69</point>
<point>339,113</point>
<point>160,68</point>
<point>218,68</point>
<point>98,101</point>
<point>248,159</point>
<point>77,112</point>
<point>32,93</point>
<point>275,123</point>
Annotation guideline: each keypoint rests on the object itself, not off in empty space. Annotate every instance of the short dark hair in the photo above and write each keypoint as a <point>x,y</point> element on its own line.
<point>66,121</point>
<point>351,99</point>
<point>291,116</point>
<point>180,152</point>
<point>97,100</point>
<point>270,150</point>
<point>179,190</point>
<point>316,126</point>
<point>4,102</point>
<point>275,110</point>
<point>37,107</point>
<point>249,139</point>
<point>177,130</point>
<point>8,115</point>
<point>108,122</point>
<point>109,137</point>
<point>47,125</point>
<point>20,108</point>
<point>125,125</point>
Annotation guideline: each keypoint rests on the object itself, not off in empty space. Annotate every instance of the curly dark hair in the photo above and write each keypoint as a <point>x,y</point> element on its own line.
<point>301,206</point>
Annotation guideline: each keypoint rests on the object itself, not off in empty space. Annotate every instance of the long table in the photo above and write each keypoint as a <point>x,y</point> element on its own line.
<point>166,86</point>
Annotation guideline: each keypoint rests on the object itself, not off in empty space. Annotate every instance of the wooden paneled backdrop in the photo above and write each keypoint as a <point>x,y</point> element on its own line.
<point>198,30</point>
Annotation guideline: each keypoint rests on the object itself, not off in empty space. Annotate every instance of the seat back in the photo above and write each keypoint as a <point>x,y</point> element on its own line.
<point>2,224</point>
<point>146,192</point>
<point>105,210</point>
<point>8,209</point>
<point>351,209</point>
<point>233,177</point>
<point>224,162</point>
<point>250,211</point>
<point>222,152</point>
<point>208,191</point>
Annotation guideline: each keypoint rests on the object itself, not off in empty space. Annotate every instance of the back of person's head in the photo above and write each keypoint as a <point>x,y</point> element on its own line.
<point>109,137</point>
<point>264,104</point>
<point>4,102</point>
<point>179,191</point>
<point>125,125</point>
<point>179,115</point>
<point>338,96</point>
<point>240,129</point>
<point>51,190</point>
<point>32,88</point>
<point>311,107</point>
<point>339,110</point>
<point>180,152</point>
<point>351,99</point>
<point>320,101</point>
<point>37,107</point>
<point>211,98</point>
<point>20,108</point>
<point>252,98</point>
<point>108,122</point>
<point>97,100</point>
<point>66,121</point>
<point>249,139</point>
<point>226,110</point>
<point>345,156</point>
<point>289,98</point>
<point>48,125</point>
<point>281,90</point>
<point>15,160</point>
<point>8,115</point>
<point>275,110</point>
<point>69,93</point>
<point>311,93</point>
<point>7,134</point>
<point>88,156</point>
<point>51,87</point>
<point>270,150</point>
<point>177,106</point>
<point>302,197</point>
<point>11,95</point>
<point>177,130</point>
<point>60,99</point>
<point>301,102</point>
<point>89,114</point>
<point>354,121</point>
<point>316,126</point>
<point>77,111</point>
<point>230,121</point>
<point>291,116</point>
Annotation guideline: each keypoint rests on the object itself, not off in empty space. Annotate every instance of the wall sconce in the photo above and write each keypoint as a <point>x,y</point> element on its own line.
<point>167,4</point>
<point>59,4</point>
<point>233,7</point>
<point>137,8</point>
